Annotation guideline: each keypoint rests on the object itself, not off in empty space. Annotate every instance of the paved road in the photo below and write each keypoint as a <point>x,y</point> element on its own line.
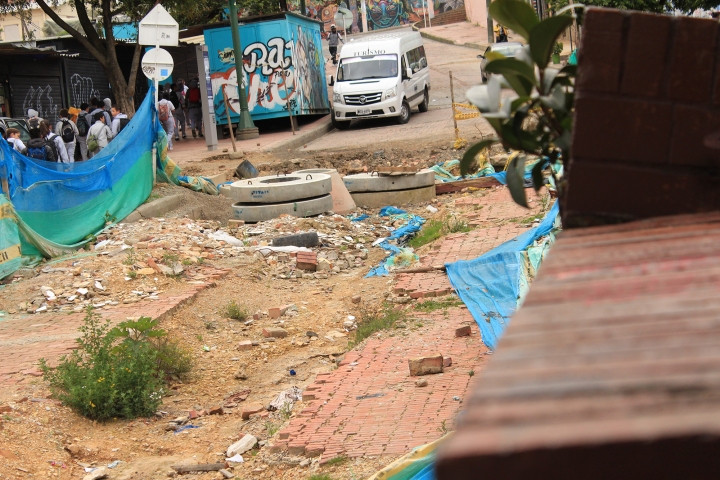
<point>433,125</point>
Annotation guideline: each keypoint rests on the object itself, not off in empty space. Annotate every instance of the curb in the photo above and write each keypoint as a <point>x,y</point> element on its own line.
<point>303,138</point>
<point>156,208</point>
<point>474,46</point>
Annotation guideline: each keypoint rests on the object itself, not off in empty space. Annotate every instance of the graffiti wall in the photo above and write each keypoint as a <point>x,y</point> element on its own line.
<point>380,13</point>
<point>283,68</point>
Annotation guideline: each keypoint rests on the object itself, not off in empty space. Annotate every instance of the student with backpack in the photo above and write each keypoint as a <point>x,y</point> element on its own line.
<point>176,98</point>
<point>194,108</point>
<point>46,131</point>
<point>67,130</point>
<point>120,120</point>
<point>99,135</point>
<point>83,123</point>
<point>165,115</point>
<point>38,147</point>
<point>13,138</point>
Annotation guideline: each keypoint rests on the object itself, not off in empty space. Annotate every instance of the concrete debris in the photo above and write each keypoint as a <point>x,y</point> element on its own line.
<point>97,474</point>
<point>241,446</point>
<point>285,399</point>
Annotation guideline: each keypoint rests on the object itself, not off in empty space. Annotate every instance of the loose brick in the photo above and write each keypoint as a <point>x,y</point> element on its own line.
<point>693,60</point>
<point>692,126</point>
<point>425,365</point>
<point>307,261</point>
<point>447,362</point>
<point>463,331</point>
<point>602,44</point>
<point>356,299</point>
<point>245,345</point>
<point>251,409</point>
<point>314,450</point>
<point>274,332</point>
<point>618,129</point>
<point>235,223</point>
<point>646,55</point>
<point>217,410</point>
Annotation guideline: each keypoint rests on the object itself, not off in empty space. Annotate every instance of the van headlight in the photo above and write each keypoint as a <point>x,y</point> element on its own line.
<point>337,98</point>
<point>391,93</point>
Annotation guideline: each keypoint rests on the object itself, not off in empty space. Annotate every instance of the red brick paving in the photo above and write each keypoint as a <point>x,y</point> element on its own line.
<point>27,338</point>
<point>345,419</point>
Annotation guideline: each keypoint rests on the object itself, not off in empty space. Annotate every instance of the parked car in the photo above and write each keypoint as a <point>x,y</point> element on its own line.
<point>18,123</point>
<point>509,49</point>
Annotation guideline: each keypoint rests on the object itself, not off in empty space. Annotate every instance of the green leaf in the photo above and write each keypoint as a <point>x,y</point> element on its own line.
<point>543,37</point>
<point>494,56</point>
<point>516,15</point>
<point>516,180</point>
<point>520,85</point>
<point>537,175</point>
<point>472,152</point>
<point>511,66</point>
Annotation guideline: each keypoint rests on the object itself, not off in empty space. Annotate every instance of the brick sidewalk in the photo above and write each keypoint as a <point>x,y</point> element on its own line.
<point>496,205</point>
<point>26,339</point>
<point>371,406</point>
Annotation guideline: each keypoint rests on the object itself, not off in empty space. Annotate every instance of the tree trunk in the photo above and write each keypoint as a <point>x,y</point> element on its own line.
<point>120,89</point>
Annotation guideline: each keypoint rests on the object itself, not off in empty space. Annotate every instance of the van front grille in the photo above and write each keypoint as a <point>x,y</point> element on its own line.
<point>365,99</point>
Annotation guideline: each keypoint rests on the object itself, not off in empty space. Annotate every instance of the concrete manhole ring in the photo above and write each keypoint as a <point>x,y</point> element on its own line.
<point>371,182</point>
<point>280,188</point>
<point>258,212</point>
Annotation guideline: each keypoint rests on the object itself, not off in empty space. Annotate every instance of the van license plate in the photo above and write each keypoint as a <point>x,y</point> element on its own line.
<point>363,111</point>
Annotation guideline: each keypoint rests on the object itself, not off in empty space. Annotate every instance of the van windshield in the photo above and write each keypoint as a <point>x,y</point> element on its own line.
<point>371,66</point>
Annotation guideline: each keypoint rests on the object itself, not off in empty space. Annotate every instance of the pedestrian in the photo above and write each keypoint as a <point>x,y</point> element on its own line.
<point>13,138</point>
<point>37,147</point>
<point>180,111</point>
<point>97,106</point>
<point>333,38</point>
<point>107,105</point>
<point>67,130</point>
<point>178,114</point>
<point>33,114</point>
<point>99,134</point>
<point>181,86</point>
<point>47,134</point>
<point>500,33</point>
<point>194,108</point>
<point>119,120</point>
<point>165,115</point>
<point>83,123</point>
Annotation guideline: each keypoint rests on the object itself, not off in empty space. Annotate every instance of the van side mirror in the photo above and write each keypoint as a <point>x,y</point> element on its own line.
<point>481,56</point>
<point>408,72</point>
<point>332,81</point>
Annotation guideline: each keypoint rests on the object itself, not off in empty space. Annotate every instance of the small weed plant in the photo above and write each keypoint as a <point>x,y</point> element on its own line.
<point>130,258</point>
<point>235,311</point>
<point>375,321</point>
<point>435,229</point>
<point>271,428</point>
<point>440,304</point>
<point>114,373</point>
<point>339,460</point>
<point>172,358</point>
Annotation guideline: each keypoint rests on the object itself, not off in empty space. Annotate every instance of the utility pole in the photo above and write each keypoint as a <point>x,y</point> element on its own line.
<point>246,128</point>
<point>491,34</point>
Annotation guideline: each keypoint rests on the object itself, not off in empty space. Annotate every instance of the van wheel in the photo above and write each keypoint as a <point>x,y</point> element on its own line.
<point>423,107</point>
<point>404,113</point>
<point>340,125</point>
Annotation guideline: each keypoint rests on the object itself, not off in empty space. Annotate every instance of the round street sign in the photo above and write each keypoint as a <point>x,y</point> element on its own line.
<point>157,64</point>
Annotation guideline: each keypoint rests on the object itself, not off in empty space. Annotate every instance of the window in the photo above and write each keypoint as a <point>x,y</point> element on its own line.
<point>416,59</point>
<point>403,67</point>
<point>12,33</point>
<point>371,66</point>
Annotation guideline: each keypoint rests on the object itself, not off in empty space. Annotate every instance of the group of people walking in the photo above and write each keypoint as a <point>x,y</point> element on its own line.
<point>71,140</point>
<point>179,104</point>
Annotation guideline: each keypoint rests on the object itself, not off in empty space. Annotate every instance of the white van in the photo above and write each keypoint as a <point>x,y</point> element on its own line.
<point>382,75</point>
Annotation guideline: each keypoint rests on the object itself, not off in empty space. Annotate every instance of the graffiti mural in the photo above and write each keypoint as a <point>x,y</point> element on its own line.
<point>278,72</point>
<point>82,89</point>
<point>40,99</point>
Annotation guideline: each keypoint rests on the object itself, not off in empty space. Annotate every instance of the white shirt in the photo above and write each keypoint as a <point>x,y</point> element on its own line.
<point>59,127</point>
<point>60,146</point>
<point>116,123</point>
<point>103,134</point>
<point>17,144</point>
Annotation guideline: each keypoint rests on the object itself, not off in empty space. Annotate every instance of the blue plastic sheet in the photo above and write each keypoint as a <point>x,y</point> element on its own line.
<point>491,284</point>
<point>399,235</point>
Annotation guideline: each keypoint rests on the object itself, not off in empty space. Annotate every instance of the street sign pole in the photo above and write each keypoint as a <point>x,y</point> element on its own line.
<point>246,128</point>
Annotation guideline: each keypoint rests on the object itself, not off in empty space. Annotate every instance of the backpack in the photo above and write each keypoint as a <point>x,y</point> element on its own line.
<point>122,124</point>
<point>92,142</point>
<point>82,125</point>
<point>163,112</point>
<point>175,100</point>
<point>66,132</point>
<point>193,95</point>
<point>41,150</point>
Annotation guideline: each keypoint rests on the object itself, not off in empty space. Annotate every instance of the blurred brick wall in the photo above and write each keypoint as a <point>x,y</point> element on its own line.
<point>648,97</point>
<point>453,16</point>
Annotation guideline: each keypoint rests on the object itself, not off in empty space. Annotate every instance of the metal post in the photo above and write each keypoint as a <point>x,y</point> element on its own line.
<point>452,108</point>
<point>287,99</point>
<point>246,127</point>
<point>303,9</point>
<point>156,83</point>
<point>227,115</point>
<point>491,35</point>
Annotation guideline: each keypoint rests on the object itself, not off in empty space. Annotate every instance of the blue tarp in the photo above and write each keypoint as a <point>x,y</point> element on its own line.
<point>491,285</point>
<point>399,234</point>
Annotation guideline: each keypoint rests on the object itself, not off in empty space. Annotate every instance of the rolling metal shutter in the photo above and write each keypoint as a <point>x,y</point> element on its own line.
<point>84,79</point>
<point>42,93</point>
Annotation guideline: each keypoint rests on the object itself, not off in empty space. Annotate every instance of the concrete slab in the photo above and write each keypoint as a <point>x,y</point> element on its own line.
<point>372,182</point>
<point>280,188</point>
<point>258,212</point>
<point>397,198</point>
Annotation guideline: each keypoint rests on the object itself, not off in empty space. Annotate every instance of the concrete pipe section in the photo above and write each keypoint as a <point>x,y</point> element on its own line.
<point>342,201</point>
<point>372,182</point>
<point>281,188</point>
<point>259,212</point>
